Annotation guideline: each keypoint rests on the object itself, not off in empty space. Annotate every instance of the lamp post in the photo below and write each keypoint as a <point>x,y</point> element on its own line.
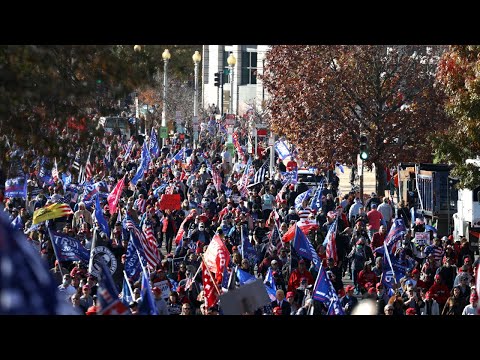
<point>166,57</point>
<point>231,60</point>
<point>196,60</point>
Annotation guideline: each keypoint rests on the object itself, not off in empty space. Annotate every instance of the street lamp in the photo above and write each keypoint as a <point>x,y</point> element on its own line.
<point>196,60</point>
<point>137,48</point>
<point>165,56</point>
<point>231,61</point>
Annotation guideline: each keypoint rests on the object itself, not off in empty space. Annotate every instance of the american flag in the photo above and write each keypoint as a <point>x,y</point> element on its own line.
<point>145,248</point>
<point>217,179</point>
<point>55,170</point>
<point>260,174</point>
<point>140,205</point>
<point>150,246</point>
<point>88,169</point>
<point>76,161</point>
<point>279,196</point>
<point>330,239</point>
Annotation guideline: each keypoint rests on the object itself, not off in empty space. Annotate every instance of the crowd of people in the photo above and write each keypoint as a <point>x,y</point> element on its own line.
<point>220,198</point>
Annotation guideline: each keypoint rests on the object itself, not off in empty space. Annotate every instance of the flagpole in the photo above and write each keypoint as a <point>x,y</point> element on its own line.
<point>94,241</point>
<point>55,251</point>
<point>211,276</point>
<point>128,282</point>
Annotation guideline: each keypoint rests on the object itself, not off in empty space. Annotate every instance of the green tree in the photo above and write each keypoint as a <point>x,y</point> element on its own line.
<point>47,89</point>
<point>459,76</point>
<point>323,97</point>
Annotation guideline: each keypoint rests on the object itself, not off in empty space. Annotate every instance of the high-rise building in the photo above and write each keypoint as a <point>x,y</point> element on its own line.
<point>248,90</point>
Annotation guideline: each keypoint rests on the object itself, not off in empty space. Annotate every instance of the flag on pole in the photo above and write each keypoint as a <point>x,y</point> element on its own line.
<point>115,195</point>
<point>324,292</point>
<point>211,296</point>
<point>153,145</point>
<point>100,218</point>
<point>89,167</point>
<point>55,170</point>
<point>395,234</point>
<point>107,294</point>
<point>68,248</point>
<point>52,211</point>
<point>304,247</point>
<point>216,256</point>
<point>147,306</point>
<point>76,161</point>
<point>259,176</point>
<point>331,242</point>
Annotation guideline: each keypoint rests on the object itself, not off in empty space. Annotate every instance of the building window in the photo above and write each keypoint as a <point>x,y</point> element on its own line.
<point>249,66</point>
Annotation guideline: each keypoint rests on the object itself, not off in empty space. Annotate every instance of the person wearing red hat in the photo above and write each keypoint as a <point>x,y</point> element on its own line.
<point>297,274</point>
<point>291,300</point>
<point>411,311</point>
<point>92,310</point>
<point>439,291</point>
<point>428,305</point>
<point>86,300</point>
<point>348,302</point>
<point>471,309</point>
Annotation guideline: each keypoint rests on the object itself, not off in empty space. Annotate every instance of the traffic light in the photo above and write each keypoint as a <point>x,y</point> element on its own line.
<point>217,79</point>
<point>364,147</point>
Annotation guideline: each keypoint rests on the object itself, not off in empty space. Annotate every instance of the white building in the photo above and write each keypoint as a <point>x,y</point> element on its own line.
<point>247,86</point>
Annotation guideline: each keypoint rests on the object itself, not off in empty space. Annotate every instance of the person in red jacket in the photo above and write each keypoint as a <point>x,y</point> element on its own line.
<point>378,238</point>
<point>298,274</point>
<point>439,291</point>
<point>366,276</point>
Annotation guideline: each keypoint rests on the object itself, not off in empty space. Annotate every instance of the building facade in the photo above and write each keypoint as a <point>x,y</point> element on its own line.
<point>248,90</point>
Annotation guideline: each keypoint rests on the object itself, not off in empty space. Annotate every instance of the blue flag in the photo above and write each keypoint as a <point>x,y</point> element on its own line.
<point>270,286</point>
<point>133,268</point>
<point>153,145</point>
<point>147,305</point>
<point>100,218</point>
<point>245,277</point>
<point>179,155</point>
<point>127,295</point>
<point>282,150</point>
<point>324,292</point>
<point>340,166</point>
<point>145,159</point>
<point>16,187</point>
<point>316,202</point>
<point>303,196</point>
<point>26,286</point>
<point>304,247</point>
<point>66,179</point>
<point>107,293</point>
<point>396,233</point>
<point>68,248</point>
<point>247,250</point>
<point>17,223</point>
<point>225,278</point>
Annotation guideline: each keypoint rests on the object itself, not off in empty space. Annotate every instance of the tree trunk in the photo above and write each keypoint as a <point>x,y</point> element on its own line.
<point>381,179</point>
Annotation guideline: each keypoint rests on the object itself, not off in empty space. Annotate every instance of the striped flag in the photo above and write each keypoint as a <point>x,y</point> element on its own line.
<point>330,239</point>
<point>217,179</point>
<point>55,170</point>
<point>260,174</point>
<point>150,246</point>
<point>52,211</point>
<point>76,161</point>
<point>89,168</point>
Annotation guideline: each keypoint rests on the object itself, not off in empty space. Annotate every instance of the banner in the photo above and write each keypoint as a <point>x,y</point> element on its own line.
<point>16,187</point>
<point>68,248</point>
<point>170,202</point>
<point>51,212</point>
<point>282,150</point>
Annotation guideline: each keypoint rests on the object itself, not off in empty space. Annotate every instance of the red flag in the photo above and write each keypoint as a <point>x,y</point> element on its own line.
<point>217,256</point>
<point>181,230</point>
<point>306,226</point>
<point>114,197</point>
<point>208,287</point>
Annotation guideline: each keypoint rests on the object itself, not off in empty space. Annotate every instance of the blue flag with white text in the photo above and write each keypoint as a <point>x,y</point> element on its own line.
<point>102,222</point>
<point>68,248</point>
<point>304,247</point>
<point>324,292</point>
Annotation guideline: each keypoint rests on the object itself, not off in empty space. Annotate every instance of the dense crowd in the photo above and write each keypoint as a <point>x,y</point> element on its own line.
<point>220,199</point>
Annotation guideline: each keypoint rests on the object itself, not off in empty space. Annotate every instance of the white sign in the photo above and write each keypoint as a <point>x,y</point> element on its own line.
<point>163,285</point>
<point>422,238</point>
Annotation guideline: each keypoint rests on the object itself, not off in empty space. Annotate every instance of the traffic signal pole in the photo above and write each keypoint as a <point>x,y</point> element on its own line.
<point>221,94</point>
<point>361,183</point>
